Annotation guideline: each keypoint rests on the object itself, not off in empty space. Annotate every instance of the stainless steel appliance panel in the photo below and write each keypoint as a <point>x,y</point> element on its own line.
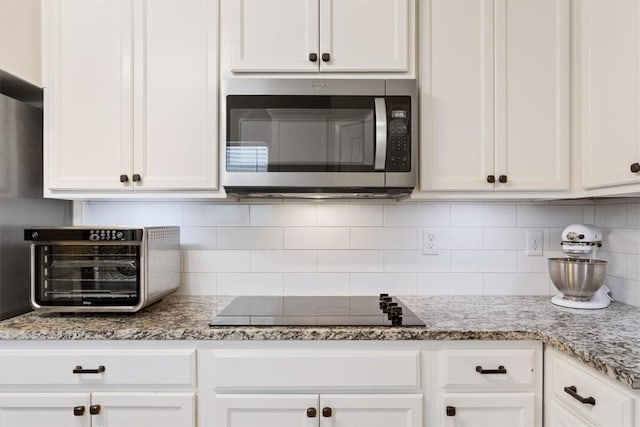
<point>21,202</point>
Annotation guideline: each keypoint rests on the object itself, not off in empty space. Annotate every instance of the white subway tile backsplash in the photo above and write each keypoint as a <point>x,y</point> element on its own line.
<point>285,215</point>
<point>384,238</point>
<point>483,261</point>
<point>366,247</point>
<point>350,215</point>
<point>616,263</point>
<point>513,239</point>
<point>536,264</point>
<point>611,216</point>
<point>99,214</point>
<point>350,261</point>
<point>198,284</point>
<point>408,215</point>
<point>456,238</point>
<point>317,284</point>
<point>516,284</point>
<point>494,215</point>
<point>284,261</point>
<point>548,216</point>
<point>250,284</point>
<point>415,261</point>
<point>633,215</point>
<point>149,214</point>
<point>622,240</point>
<point>210,215</point>
<point>250,238</point>
<point>198,238</point>
<point>633,267</point>
<point>195,261</point>
<point>450,284</point>
<point>375,283</point>
<point>624,290</point>
<point>316,238</point>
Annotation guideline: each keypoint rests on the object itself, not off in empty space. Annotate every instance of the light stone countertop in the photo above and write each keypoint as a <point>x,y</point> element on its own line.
<point>607,340</point>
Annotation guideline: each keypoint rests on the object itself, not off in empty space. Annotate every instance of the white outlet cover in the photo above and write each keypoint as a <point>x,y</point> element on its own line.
<point>535,242</point>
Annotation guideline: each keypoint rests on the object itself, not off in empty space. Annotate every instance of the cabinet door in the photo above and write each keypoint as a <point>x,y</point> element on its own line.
<point>277,410</point>
<point>175,87</point>
<point>456,95</point>
<point>88,93</point>
<point>274,35</point>
<point>144,409</point>
<point>361,410</point>
<point>609,74</point>
<point>489,409</point>
<point>44,409</point>
<point>532,94</point>
<point>558,416</point>
<point>364,35</point>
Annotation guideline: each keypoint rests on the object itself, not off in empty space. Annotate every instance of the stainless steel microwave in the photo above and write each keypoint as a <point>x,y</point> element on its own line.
<point>102,269</point>
<point>322,138</point>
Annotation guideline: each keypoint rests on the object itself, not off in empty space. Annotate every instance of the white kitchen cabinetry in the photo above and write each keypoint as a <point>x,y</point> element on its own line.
<point>324,410</point>
<point>608,101</point>
<point>97,409</point>
<point>130,96</point>
<point>480,385</point>
<point>102,388</point>
<point>574,391</point>
<point>495,95</point>
<point>316,387</point>
<point>320,35</point>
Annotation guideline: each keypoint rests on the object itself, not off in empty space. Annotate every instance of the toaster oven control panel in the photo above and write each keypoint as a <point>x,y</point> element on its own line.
<point>82,234</point>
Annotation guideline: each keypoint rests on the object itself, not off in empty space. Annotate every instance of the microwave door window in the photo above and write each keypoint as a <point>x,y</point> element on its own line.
<point>106,275</point>
<point>321,135</point>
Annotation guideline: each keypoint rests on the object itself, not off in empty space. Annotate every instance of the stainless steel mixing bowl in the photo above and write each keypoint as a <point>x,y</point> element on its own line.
<point>578,279</point>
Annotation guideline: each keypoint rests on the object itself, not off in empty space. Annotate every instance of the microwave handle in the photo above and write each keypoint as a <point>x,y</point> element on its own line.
<point>381,134</point>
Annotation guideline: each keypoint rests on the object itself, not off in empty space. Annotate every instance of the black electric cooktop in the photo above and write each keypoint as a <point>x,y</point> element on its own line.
<point>380,310</point>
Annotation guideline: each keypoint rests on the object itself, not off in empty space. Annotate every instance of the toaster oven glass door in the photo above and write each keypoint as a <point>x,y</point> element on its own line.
<point>70,275</point>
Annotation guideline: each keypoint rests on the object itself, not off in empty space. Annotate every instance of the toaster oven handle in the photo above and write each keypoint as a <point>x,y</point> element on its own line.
<point>381,134</point>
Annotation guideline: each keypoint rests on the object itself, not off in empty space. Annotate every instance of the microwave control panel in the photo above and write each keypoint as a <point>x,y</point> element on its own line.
<point>398,134</point>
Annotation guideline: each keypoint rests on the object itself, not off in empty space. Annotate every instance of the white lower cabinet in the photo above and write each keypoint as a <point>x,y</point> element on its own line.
<point>497,384</point>
<point>97,409</point>
<point>577,395</point>
<point>44,409</point>
<point>325,410</point>
<point>96,385</point>
<point>489,409</point>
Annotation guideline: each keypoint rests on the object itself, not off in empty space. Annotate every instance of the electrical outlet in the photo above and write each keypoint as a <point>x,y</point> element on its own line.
<point>429,242</point>
<point>534,242</point>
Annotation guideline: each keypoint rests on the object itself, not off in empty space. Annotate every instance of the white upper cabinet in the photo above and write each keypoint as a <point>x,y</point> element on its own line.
<point>88,101</point>
<point>319,35</point>
<point>608,114</point>
<point>495,95</point>
<point>130,95</point>
<point>176,142</point>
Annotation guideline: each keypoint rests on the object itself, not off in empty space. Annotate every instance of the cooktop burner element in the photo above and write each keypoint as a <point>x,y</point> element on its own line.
<point>316,311</point>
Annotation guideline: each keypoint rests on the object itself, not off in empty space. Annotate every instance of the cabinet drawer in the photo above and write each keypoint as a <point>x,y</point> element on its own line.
<point>611,408</point>
<point>492,369</point>
<point>277,369</point>
<point>121,367</point>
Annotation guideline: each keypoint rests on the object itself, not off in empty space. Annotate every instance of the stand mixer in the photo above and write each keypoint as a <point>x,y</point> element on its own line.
<point>580,276</point>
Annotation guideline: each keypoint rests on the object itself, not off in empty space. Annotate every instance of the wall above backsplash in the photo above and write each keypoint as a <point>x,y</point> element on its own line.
<point>360,247</point>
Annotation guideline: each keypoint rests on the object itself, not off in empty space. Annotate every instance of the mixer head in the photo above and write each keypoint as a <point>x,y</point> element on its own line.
<point>581,240</point>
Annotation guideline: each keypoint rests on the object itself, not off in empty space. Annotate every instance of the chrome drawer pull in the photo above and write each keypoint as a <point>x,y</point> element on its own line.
<point>501,370</point>
<point>573,392</point>
<point>79,370</point>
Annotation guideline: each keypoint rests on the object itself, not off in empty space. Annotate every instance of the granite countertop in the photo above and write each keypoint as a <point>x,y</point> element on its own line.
<point>607,340</point>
